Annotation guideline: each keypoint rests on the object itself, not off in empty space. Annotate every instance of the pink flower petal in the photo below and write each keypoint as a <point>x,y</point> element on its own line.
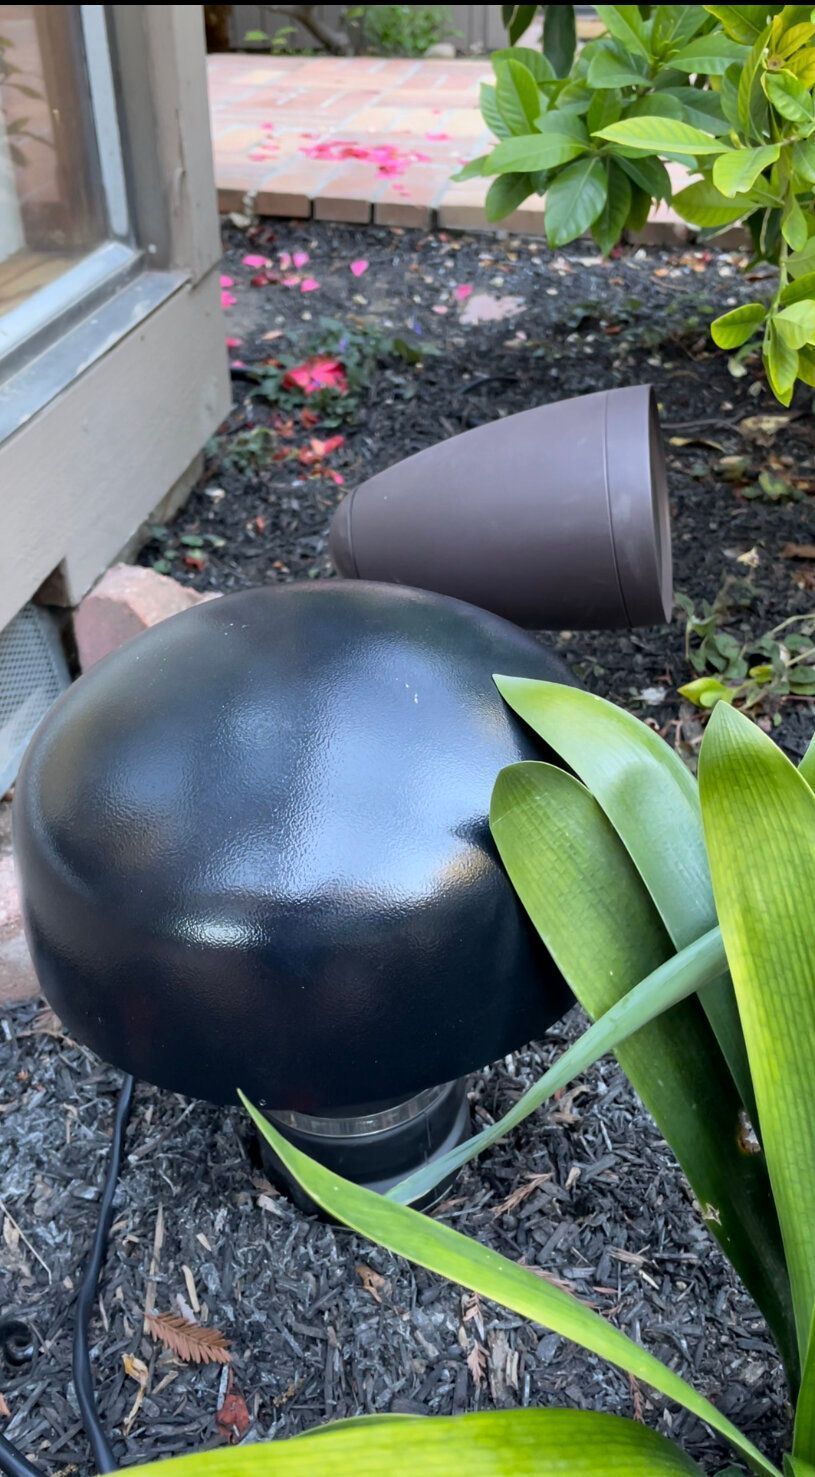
<point>440,309</point>
<point>436,138</point>
<point>463,291</point>
<point>300,258</point>
<point>254,261</point>
<point>236,364</point>
<point>291,281</point>
<point>309,284</point>
<point>228,299</point>
<point>234,343</point>
<point>359,267</point>
<point>285,261</point>
<point>227,281</point>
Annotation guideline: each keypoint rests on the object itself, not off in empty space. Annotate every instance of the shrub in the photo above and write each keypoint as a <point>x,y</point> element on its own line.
<point>725,90</point>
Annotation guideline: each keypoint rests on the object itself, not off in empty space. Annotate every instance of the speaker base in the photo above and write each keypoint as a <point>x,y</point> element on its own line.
<point>377,1149</point>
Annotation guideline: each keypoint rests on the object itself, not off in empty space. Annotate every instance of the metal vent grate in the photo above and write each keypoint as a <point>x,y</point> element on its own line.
<point>33,673</point>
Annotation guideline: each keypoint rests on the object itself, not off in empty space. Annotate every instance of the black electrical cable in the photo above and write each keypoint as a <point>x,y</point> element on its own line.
<point>12,1461</point>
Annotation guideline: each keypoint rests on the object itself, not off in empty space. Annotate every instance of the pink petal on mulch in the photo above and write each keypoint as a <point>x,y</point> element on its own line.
<point>440,309</point>
<point>291,281</point>
<point>309,284</point>
<point>359,267</point>
<point>463,291</point>
<point>300,258</point>
<point>227,281</point>
<point>236,364</point>
<point>234,343</point>
<point>436,138</point>
<point>336,477</point>
<point>228,299</point>
<point>254,261</point>
<point>285,261</point>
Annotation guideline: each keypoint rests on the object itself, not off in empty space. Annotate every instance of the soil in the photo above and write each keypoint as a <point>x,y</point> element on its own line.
<point>321,1323</point>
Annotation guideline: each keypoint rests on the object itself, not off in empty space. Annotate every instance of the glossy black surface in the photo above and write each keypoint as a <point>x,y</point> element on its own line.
<point>254,850</point>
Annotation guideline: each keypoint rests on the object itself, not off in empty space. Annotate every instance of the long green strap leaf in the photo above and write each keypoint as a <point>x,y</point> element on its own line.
<point>586,899</point>
<point>680,976</point>
<point>440,1249</point>
<point>652,802</point>
<point>804,1433</point>
<point>499,1443</point>
<point>759,819</point>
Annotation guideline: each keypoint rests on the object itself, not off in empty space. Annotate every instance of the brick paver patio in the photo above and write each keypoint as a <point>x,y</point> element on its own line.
<point>359,139</point>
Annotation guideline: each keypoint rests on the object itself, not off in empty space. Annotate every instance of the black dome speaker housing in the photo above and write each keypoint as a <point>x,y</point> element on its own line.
<point>254,850</point>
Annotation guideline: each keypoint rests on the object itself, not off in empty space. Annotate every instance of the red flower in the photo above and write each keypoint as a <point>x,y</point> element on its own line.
<point>317,374</point>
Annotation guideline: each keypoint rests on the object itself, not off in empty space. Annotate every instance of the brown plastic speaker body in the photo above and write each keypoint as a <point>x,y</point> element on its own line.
<point>557,517</point>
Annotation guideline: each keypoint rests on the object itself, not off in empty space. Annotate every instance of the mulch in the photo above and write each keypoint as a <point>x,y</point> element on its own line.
<point>321,1323</point>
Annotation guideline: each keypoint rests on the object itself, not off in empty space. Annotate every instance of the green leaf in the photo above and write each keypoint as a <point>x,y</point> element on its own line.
<point>733,329</point>
<point>804,1431</point>
<point>743,23</point>
<point>793,39</point>
<point>796,324</point>
<point>496,1443</point>
<point>650,174</point>
<point>794,224</point>
<point>559,37</point>
<point>475,169</point>
<point>445,1251</point>
<point>560,139</point>
<point>517,97</point>
<point>574,200</point>
<point>703,205</point>
<point>505,194</point>
<point>490,113</point>
<point>610,69</point>
<point>661,136</point>
<point>798,291</point>
<point>706,692</point>
<point>674,25</point>
<point>759,820</point>
<point>605,107</point>
<point>735,172</point>
<point>651,799</point>
<point>712,54</point>
<point>806,366</point>
<point>780,366</point>
<point>803,262</point>
<point>625,23</point>
<point>682,974</point>
<point>752,104</point>
<point>610,223</point>
<point>517,19</point>
<point>702,109</point>
<point>534,61</point>
<point>803,159</point>
<point>789,97</point>
<point>802,66</point>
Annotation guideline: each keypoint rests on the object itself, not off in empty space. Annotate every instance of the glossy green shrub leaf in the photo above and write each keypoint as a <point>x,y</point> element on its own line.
<point>445,1251</point>
<point>802,262</point>
<point>759,820</point>
<point>793,39</point>
<point>712,54</point>
<point>516,96</point>
<point>613,67</point>
<point>796,324</point>
<point>574,200</point>
<point>605,107</point>
<point>490,113</point>
<point>559,37</point>
<point>794,224</point>
<point>505,194</point>
<point>610,223</point>
<point>625,23</point>
<point>802,66</point>
<point>700,108</point>
<point>517,19</point>
<point>743,23</point>
<point>798,291</point>
<point>806,366</point>
<point>534,61</point>
<point>674,25</point>
<point>780,365</point>
<point>703,205</point>
<point>560,139</point>
<point>474,169</point>
<point>735,171</point>
<point>497,1443</point>
<point>661,136</point>
<point>789,97</point>
<point>649,174</point>
<point>803,159</point>
<point>752,104</point>
<point>732,330</point>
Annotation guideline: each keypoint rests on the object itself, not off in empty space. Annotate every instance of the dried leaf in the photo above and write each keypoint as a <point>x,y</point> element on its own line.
<point>521,1192</point>
<point>477,1364</point>
<point>472,1312</point>
<point>762,427</point>
<point>372,1282</point>
<point>798,551</point>
<point>135,1368</point>
<point>191,1342</point>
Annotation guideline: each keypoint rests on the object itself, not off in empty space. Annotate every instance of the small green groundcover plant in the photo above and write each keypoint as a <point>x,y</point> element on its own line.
<point>724,90</point>
<point>402,30</point>
<point>682,916</point>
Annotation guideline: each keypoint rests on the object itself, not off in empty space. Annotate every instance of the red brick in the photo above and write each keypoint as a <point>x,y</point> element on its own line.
<point>127,600</point>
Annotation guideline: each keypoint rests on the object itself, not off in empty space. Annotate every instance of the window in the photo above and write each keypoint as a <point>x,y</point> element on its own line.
<point>65,236</point>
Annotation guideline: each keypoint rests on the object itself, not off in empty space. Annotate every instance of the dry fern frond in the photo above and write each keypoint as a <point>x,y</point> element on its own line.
<point>191,1342</point>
